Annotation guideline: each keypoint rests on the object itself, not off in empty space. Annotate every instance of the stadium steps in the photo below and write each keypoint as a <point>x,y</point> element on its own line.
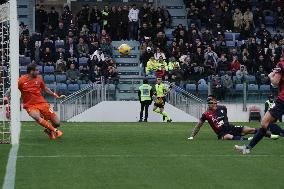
<point>177,11</point>
<point>25,12</point>
<point>128,68</point>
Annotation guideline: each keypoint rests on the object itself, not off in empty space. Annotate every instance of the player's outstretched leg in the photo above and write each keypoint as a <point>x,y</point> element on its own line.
<point>267,119</point>
<point>233,137</point>
<point>44,123</point>
<point>275,129</point>
<point>251,130</point>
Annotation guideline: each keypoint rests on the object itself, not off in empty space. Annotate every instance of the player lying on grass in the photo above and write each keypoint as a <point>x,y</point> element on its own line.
<point>274,113</point>
<point>160,99</point>
<point>37,107</point>
<point>217,118</point>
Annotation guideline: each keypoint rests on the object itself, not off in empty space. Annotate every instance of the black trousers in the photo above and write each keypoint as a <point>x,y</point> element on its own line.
<point>144,106</point>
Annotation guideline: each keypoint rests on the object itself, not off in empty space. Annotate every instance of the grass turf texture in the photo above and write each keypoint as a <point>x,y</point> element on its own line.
<point>142,155</point>
<point>4,152</point>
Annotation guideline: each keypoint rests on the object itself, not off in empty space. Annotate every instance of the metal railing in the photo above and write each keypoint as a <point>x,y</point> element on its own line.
<point>185,101</point>
<point>82,100</point>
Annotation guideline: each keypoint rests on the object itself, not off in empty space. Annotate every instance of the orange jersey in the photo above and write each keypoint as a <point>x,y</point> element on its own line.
<point>31,90</point>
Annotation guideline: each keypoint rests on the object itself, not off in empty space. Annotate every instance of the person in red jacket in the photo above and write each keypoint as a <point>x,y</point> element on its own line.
<point>235,64</point>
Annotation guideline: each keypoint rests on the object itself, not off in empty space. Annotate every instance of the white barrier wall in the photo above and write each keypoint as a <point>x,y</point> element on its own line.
<point>128,111</point>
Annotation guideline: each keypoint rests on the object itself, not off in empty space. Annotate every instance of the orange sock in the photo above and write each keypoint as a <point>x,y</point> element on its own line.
<point>46,124</point>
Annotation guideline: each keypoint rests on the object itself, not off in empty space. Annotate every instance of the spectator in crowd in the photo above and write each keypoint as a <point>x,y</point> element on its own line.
<point>95,19</point>
<point>133,17</point>
<point>146,56</point>
<point>235,64</point>
<point>211,56</point>
<point>25,47</point>
<point>83,48</point>
<point>105,18</point>
<point>261,76</point>
<point>217,87</point>
<point>73,75</point>
<point>98,55</point>
<point>40,18</point>
<point>223,65</point>
<point>95,74</point>
<point>227,84</point>
<point>61,65</point>
<point>238,20</point>
<point>84,77</point>
<point>112,75</point>
<point>53,17</point>
<point>241,75</point>
<point>159,54</point>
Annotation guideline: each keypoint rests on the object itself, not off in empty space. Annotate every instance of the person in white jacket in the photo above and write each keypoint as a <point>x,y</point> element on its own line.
<point>133,17</point>
<point>99,55</point>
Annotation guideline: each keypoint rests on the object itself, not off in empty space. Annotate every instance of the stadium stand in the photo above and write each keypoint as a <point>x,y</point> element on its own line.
<point>195,40</point>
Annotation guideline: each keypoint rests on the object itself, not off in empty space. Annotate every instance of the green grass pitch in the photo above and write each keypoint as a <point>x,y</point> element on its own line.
<point>141,155</point>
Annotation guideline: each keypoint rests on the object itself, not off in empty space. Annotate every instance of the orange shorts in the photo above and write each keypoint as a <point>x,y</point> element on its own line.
<point>44,109</point>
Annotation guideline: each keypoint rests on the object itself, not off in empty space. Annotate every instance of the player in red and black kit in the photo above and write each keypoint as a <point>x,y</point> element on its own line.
<point>217,118</point>
<point>275,112</point>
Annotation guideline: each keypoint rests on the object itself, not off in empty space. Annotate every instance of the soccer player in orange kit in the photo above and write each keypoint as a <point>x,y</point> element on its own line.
<point>35,104</point>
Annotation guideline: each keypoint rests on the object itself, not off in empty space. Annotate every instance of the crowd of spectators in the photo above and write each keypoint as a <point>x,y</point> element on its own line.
<point>64,40</point>
<point>191,55</point>
<point>200,53</point>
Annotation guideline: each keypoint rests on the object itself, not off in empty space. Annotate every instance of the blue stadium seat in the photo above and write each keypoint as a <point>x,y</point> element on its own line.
<point>191,88</point>
<point>252,88</point>
<point>110,87</point>
<point>251,79</point>
<point>229,37</point>
<point>61,88</point>
<point>203,89</point>
<point>230,43</point>
<point>51,86</point>
<point>39,68</point>
<point>23,70</point>
<point>84,85</point>
<point>237,36</point>
<point>239,88</point>
<point>73,88</point>
<point>49,78</point>
<point>48,69</point>
<point>269,20</point>
<point>83,61</point>
<point>264,90</point>
<point>59,44</point>
<point>61,78</point>
<point>24,61</point>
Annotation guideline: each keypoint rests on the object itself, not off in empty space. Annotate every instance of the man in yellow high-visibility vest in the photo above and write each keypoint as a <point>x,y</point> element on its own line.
<point>145,94</point>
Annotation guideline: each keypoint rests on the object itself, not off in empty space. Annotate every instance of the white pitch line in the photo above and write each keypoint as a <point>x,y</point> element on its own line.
<point>9,180</point>
<point>147,156</point>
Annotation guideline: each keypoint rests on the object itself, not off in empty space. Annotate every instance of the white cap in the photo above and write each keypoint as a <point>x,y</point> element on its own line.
<point>148,48</point>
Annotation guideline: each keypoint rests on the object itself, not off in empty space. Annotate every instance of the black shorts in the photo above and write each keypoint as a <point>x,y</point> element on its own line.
<point>277,109</point>
<point>161,103</point>
<point>230,129</point>
<point>146,102</point>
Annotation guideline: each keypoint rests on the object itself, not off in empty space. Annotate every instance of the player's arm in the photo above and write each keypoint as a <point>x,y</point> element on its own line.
<point>51,93</point>
<point>196,129</point>
<point>275,75</point>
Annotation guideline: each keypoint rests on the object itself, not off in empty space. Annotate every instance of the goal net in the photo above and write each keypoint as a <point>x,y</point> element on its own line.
<point>9,74</point>
<point>5,73</point>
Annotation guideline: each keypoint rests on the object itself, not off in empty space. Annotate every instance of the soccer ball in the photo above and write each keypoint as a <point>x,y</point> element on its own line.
<point>124,49</point>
